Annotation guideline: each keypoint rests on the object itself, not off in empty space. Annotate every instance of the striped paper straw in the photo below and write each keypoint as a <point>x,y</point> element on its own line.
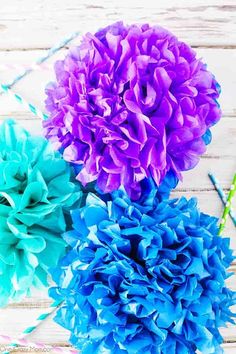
<point>37,322</point>
<point>28,106</point>
<point>228,205</point>
<point>222,195</point>
<point>36,345</point>
<point>54,306</point>
<point>41,60</point>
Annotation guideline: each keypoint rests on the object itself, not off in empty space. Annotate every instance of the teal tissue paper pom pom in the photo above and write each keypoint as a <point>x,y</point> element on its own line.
<point>36,195</point>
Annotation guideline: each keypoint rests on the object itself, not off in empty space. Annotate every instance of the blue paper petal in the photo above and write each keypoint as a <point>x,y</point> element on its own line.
<point>144,277</point>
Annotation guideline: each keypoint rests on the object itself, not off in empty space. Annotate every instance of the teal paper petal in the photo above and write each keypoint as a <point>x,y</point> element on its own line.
<point>37,191</point>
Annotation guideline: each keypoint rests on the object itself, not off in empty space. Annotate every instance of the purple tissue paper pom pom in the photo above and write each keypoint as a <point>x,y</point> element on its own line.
<point>131,102</point>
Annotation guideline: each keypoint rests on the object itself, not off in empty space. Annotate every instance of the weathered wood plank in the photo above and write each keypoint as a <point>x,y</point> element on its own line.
<point>223,142</point>
<point>51,333</point>
<point>206,23</point>
<point>197,179</point>
<point>222,146</point>
<point>21,350</point>
<point>229,348</point>
<point>221,62</point>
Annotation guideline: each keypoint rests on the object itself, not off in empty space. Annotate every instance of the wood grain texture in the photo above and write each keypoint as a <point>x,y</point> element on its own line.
<point>228,349</point>
<point>223,68</point>
<point>28,27</point>
<point>29,22</point>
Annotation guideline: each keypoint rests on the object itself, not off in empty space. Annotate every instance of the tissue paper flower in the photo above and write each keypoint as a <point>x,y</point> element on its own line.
<point>131,102</point>
<point>35,193</point>
<point>144,278</point>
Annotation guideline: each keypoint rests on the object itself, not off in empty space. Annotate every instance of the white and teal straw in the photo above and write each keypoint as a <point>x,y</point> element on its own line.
<point>28,106</point>
<point>41,60</point>
<point>53,307</point>
<point>7,88</point>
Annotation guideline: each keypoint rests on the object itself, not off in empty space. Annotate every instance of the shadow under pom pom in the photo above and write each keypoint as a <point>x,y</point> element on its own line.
<point>36,193</point>
<point>144,277</point>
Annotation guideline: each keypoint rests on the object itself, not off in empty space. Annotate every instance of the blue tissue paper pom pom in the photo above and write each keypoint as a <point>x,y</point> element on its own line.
<point>144,277</point>
<point>207,137</point>
<point>149,188</point>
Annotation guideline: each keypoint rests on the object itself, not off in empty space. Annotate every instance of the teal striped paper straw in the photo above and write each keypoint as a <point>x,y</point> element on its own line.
<point>41,60</point>
<point>222,195</point>
<point>53,307</point>
<point>7,88</point>
<point>29,106</point>
<point>228,205</point>
<point>41,318</point>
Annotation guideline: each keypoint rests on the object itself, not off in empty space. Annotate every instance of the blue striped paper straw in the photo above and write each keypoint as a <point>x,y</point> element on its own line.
<point>222,195</point>
<point>41,60</point>
<point>28,106</point>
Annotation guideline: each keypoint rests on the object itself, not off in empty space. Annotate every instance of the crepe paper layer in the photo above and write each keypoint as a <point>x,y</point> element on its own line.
<point>131,102</point>
<point>37,190</point>
<point>144,277</point>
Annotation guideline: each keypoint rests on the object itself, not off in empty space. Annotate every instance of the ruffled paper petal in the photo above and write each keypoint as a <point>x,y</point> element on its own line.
<point>129,103</point>
<point>36,192</point>
<point>141,277</point>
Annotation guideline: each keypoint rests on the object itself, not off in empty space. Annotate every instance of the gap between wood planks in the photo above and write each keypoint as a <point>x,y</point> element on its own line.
<point>213,20</point>
<point>194,46</point>
<point>23,115</point>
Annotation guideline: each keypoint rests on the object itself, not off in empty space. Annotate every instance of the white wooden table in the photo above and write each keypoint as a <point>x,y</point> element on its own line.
<point>29,27</point>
